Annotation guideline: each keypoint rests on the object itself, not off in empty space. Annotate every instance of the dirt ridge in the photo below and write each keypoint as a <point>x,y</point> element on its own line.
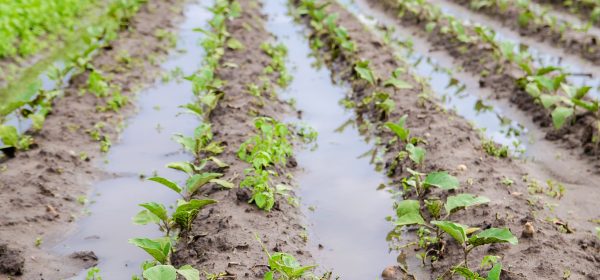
<point>222,239</point>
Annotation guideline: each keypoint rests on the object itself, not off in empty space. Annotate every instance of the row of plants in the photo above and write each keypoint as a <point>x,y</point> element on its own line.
<point>424,206</point>
<point>547,86</point>
<point>35,103</point>
<point>588,10</point>
<point>264,150</point>
<point>174,225</point>
<point>538,21</point>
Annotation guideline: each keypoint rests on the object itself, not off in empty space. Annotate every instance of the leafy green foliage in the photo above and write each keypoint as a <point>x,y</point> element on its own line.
<point>159,248</point>
<point>285,266</point>
<point>441,180</point>
<point>408,212</point>
<point>169,272</point>
<point>364,72</point>
<point>459,201</point>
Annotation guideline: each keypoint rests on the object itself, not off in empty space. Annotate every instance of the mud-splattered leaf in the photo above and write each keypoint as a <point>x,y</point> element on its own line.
<point>187,211</point>
<point>493,235</point>
<point>223,183</point>
<point>456,230</point>
<point>466,273</point>
<point>441,180</point>
<point>234,44</point>
<point>408,212</point>
<point>464,200</point>
<point>549,100</point>
<point>167,183</point>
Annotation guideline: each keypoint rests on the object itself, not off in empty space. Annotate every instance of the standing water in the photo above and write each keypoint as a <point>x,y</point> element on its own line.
<point>337,185</point>
<point>145,147</point>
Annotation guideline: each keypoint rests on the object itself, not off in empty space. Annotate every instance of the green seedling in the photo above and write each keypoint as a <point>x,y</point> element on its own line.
<point>283,266</point>
<point>363,71</point>
<point>93,274</point>
<point>169,272</point>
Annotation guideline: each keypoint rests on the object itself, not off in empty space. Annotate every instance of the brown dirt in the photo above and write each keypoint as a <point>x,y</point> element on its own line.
<point>39,188</point>
<point>501,78</point>
<point>222,239</point>
<point>452,142</point>
<point>585,45</point>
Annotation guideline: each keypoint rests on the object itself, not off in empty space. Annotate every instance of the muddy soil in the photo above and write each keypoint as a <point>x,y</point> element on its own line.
<point>451,143</point>
<point>581,9</point>
<point>586,45</point>
<point>223,237</point>
<point>501,78</point>
<point>40,188</point>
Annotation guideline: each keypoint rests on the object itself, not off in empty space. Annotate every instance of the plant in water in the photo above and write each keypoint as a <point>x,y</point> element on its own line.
<point>283,266</point>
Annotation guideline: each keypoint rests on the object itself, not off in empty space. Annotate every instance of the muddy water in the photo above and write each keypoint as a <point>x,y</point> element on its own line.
<point>336,183</point>
<point>544,53</point>
<point>144,148</point>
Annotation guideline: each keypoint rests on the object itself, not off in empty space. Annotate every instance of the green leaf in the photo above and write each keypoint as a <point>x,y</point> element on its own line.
<point>167,183</point>
<point>234,44</point>
<point>441,180</point>
<point>493,235</point>
<point>416,154</point>
<point>186,212</point>
<point>463,200</point>
<point>408,212</point>
<point>494,273</point>
<point>399,84</point>
<point>533,90</point>
<point>198,180</point>
<point>287,264</point>
<point>223,183</point>
<point>560,116</point>
<point>182,166</point>
<point>160,272</point>
<point>466,273</point>
<point>157,209</point>
<point>145,217</point>
<point>364,72</point>
<point>188,143</point>
<point>400,131</point>
<point>189,273</point>
<point>157,248</point>
<point>9,135</point>
<point>457,231</point>
<point>549,100</point>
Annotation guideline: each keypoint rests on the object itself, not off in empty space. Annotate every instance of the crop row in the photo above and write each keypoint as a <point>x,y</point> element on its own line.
<point>35,103</point>
<point>588,10</point>
<point>545,88</point>
<point>532,21</point>
<point>266,151</point>
<point>429,214</point>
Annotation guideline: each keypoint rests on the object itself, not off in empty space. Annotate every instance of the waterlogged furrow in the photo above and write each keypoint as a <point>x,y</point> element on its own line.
<point>446,154</point>
<point>587,10</point>
<point>545,27</point>
<point>43,189</point>
<point>341,165</point>
<point>542,92</point>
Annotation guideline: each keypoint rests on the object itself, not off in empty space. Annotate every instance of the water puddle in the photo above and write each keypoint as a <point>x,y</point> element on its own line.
<point>144,148</point>
<point>544,53</point>
<point>336,182</point>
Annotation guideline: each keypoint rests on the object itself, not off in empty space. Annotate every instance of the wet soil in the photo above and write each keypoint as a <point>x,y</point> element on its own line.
<point>501,79</point>
<point>223,237</point>
<point>40,188</point>
<point>586,45</point>
<point>452,142</point>
<point>581,9</point>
